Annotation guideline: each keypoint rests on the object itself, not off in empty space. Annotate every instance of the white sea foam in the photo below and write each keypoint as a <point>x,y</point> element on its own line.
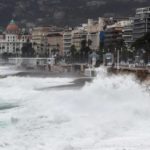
<point>8,70</point>
<point>111,113</point>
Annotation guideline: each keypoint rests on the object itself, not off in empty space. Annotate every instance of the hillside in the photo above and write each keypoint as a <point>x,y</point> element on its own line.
<point>64,12</point>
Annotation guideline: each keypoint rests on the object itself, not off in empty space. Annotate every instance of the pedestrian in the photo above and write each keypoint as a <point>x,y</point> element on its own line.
<point>49,64</point>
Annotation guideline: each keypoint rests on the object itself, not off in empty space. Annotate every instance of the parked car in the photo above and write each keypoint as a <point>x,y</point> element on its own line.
<point>131,65</point>
<point>123,63</point>
<point>140,63</point>
<point>148,65</point>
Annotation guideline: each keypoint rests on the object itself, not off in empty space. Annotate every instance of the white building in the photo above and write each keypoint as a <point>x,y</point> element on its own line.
<point>141,22</point>
<point>94,29</point>
<point>67,41</point>
<point>128,33</point>
<point>13,39</point>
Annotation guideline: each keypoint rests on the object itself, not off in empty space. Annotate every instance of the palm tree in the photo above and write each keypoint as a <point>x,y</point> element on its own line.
<point>73,51</point>
<point>34,43</point>
<point>89,42</point>
<point>17,52</point>
<point>3,48</point>
<point>143,43</point>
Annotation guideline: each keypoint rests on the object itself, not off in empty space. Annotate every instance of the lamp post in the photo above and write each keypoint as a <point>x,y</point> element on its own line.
<point>103,56</point>
<point>146,25</point>
<point>118,55</point>
<point>147,51</point>
<point>121,55</point>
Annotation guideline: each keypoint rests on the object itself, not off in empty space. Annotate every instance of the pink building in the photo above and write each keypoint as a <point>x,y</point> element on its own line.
<point>55,42</point>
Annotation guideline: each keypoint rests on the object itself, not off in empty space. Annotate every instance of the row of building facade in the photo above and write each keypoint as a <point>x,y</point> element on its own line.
<point>106,31</point>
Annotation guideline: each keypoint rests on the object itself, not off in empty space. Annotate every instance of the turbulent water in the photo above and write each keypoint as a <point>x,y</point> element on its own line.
<point>111,113</point>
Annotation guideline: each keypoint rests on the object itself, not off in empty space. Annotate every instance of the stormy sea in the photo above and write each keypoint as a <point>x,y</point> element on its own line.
<point>108,112</point>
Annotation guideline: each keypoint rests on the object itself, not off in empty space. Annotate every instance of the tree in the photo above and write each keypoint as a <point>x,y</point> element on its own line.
<point>5,55</point>
<point>73,50</point>
<point>120,45</point>
<point>27,49</point>
<point>34,44</point>
<point>55,51</point>
<point>83,44</point>
<point>101,46</point>
<point>142,42</point>
<point>142,45</point>
<point>85,48</point>
<point>89,42</point>
<point>17,52</point>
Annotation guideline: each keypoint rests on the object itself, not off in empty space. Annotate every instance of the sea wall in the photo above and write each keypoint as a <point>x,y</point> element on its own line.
<point>141,73</point>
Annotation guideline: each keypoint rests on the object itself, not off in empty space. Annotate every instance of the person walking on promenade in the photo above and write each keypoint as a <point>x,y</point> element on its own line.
<point>49,64</point>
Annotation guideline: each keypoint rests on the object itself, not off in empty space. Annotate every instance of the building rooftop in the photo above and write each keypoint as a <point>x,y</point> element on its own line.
<point>12,27</point>
<point>143,10</point>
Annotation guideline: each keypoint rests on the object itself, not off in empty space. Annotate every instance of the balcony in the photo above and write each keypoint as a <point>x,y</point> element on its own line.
<point>126,35</point>
<point>139,31</point>
<point>67,38</point>
<point>127,32</point>
<point>128,29</point>
<point>139,21</point>
<point>66,44</point>
<point>137,36</point>
<point>128,41</point>
<point>140,27</point>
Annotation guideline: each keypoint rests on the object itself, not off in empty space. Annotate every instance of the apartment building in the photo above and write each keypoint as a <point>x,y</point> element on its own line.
<point>128,33</point>
<point>78,35</point>
<point>114,34</point>
<point>39,39</point>
<point>94,29</point>
<point>12,39</point>
<point>55,42</point>
<point>67,40</point>
<point>141,22</point>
